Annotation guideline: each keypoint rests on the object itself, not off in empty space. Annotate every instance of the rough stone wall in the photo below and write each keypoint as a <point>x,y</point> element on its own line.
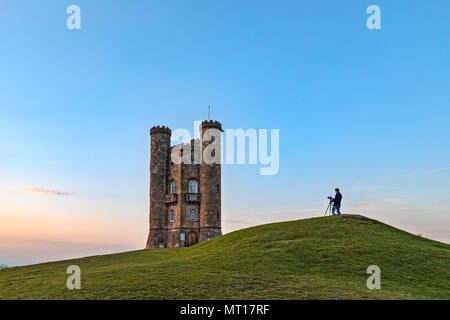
<point>210,180</point>
<point>173,228</point>
<point>210,207</point>
<point>159,162</point>
<point>181,174</point>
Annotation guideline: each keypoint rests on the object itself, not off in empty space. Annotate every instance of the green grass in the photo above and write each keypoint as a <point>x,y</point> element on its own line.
<point>319,258</point>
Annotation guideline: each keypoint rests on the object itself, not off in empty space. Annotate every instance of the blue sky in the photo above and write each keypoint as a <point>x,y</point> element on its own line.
<point>365,110</point>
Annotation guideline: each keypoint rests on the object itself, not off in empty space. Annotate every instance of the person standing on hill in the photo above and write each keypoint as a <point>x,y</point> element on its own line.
<point>337,202</point>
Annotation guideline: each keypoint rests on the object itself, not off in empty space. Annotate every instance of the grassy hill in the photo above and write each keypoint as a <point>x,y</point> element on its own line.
<point>319,258</point>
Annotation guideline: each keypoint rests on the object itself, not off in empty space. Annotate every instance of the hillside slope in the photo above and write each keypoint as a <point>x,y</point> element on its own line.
<point>318,258</point>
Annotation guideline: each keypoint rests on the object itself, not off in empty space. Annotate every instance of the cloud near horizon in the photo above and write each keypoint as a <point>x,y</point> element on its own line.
<point>37,190</point>
<point>436,170</point>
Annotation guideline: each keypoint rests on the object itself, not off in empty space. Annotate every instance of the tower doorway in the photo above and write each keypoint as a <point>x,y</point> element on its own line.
<point>192,238</point>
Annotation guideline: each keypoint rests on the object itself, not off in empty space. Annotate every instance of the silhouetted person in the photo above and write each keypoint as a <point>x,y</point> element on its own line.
<point>337,202</point>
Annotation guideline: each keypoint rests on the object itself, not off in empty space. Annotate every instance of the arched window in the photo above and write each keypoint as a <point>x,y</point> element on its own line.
<point>171,216</point>
<point>193,186</point>
<point>193,215</point>
<point>173,187</point>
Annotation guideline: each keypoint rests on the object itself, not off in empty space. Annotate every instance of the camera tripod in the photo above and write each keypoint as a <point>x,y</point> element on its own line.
<point>328,211</point>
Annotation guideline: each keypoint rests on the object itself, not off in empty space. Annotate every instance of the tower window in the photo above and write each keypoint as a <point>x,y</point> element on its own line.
<point>218,187</point>
<point>193,186</point>
<point>171,216</point>
<point>193,215</point>
<point>218,215</point>
<point>173,187</point>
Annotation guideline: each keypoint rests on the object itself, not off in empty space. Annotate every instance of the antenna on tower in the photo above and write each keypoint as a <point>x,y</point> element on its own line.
<point>209,112</point>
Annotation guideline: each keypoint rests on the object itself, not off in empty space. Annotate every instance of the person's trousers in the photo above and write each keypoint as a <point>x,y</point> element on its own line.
<point>336,208</point>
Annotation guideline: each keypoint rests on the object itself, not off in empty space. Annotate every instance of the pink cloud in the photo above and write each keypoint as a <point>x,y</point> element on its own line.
<point>47,192</point>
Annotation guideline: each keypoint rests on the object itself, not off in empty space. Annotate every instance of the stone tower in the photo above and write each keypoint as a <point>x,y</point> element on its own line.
<point>210,186</point>
<point>185,198</point>
<point>159,165</point>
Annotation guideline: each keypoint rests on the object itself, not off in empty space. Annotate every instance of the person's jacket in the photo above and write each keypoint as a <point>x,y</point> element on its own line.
<point>337,200</point>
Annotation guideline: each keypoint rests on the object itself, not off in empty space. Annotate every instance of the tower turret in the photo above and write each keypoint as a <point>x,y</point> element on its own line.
<point>159,164</point>
<point>210,180</point>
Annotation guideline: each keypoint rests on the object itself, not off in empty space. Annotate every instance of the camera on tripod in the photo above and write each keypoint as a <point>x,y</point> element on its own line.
<point>329,206</point>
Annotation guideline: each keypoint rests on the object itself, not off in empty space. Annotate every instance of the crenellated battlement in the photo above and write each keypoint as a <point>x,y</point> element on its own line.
<point>211,124</point>
<point>160,129</point>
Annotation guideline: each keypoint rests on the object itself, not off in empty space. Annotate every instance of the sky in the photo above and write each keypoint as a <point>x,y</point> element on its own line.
<point>363,110</point>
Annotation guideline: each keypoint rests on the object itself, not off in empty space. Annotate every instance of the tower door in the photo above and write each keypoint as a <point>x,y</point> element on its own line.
<point>192,239</point>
